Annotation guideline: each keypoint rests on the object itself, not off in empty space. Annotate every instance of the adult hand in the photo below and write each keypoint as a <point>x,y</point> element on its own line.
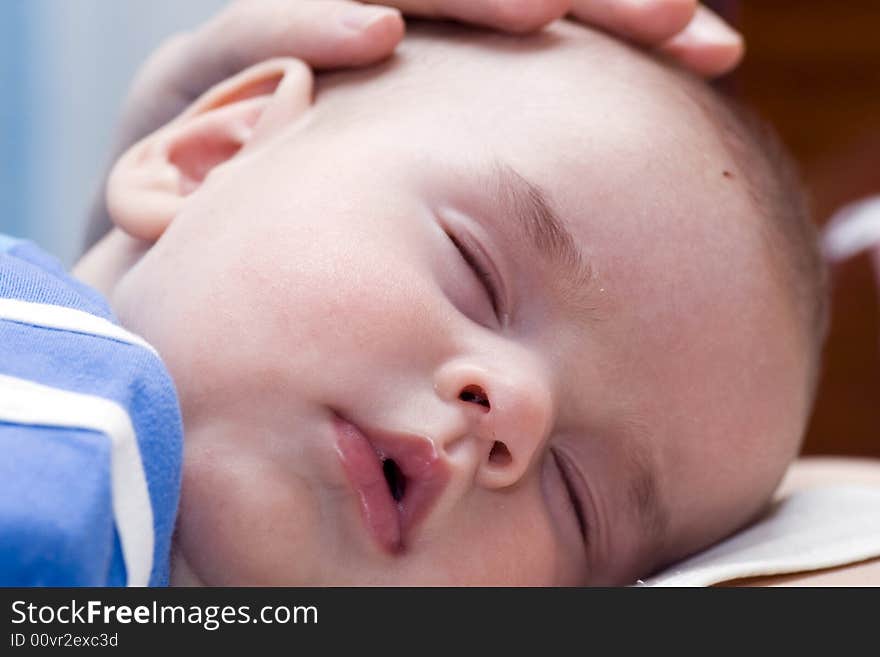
<point>683,29</point>
<point>341,33</point>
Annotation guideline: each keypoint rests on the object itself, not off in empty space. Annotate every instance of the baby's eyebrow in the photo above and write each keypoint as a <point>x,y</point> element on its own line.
<point>527,204</point>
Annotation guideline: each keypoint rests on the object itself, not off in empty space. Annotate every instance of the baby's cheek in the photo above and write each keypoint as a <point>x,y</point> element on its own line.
<point>504,539</point>
<point>242,519</point>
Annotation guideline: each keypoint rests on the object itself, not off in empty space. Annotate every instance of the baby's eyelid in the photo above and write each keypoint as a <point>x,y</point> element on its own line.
<point>576,504</point>
<point>486,277</point>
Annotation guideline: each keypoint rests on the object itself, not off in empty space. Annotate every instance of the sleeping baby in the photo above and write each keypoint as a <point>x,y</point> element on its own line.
<point>500,311</point>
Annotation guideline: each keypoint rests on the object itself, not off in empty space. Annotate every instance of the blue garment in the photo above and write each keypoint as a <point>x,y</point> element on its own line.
<point>90,435</point>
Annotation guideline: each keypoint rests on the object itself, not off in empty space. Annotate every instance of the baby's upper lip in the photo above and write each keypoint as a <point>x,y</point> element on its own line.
<point>419,472</point>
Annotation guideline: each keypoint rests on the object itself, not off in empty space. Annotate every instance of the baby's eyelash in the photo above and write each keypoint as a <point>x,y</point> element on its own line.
<point>572,494</point>
<point>481,272</point>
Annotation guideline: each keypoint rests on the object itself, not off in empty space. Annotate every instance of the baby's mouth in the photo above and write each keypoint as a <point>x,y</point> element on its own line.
<point>397,477</point>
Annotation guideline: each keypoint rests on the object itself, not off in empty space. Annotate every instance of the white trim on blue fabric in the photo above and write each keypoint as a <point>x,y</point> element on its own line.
<point>66,319</point>
<point>28,403</point>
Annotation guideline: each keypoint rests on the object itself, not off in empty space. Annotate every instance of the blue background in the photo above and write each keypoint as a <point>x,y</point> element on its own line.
<point>65,66</point>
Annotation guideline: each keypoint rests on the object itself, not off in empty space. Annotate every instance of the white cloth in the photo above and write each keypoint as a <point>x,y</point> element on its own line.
<point>852,230</point>
<point>808,530</point>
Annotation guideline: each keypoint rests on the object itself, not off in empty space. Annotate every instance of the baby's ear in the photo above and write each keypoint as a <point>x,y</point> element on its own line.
<point>150,182</point>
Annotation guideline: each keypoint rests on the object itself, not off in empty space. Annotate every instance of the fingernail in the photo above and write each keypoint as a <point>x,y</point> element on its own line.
<point>360,18</point>
<point>708,28</point>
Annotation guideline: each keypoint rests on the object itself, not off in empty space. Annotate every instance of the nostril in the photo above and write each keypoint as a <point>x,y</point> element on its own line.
<point>476,395</point>
<point>500,455</point>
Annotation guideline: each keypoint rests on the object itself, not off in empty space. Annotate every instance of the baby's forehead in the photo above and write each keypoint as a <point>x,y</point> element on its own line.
<point>563,90</point>
<point>567,64</point>
<point>564,48</point>
<point>596,125</point>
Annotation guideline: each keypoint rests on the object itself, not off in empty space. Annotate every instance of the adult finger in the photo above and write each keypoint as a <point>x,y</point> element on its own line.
<point>516,16</point>
<point>325,34</point>
<point>647,22</point>
<point>708,46</point>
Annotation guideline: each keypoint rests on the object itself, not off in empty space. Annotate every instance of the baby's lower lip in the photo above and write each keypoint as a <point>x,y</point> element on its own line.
<point>363,468</point>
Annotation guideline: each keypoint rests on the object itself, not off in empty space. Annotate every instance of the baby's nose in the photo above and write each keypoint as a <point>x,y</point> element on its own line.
<point>507,409</point>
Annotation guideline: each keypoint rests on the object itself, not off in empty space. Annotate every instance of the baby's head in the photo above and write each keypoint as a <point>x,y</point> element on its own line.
<point>499,311</point>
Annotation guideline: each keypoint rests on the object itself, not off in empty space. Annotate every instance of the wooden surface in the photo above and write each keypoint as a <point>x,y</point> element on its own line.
<point>813,70</point>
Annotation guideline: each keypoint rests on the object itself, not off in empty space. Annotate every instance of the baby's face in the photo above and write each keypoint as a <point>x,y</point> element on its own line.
<point>513,268</point>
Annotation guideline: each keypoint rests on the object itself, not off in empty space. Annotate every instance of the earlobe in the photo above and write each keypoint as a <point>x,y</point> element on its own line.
<point>149,184</point>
